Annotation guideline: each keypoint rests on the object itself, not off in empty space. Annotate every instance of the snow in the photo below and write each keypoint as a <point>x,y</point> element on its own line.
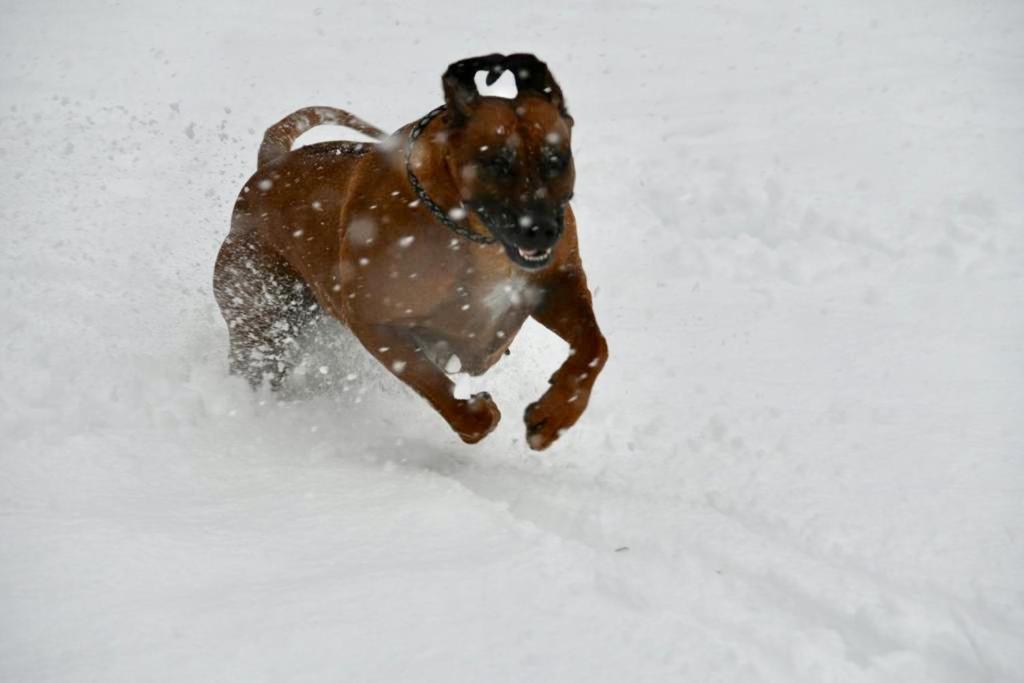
<point>504,86</point>
<point>803,462</point>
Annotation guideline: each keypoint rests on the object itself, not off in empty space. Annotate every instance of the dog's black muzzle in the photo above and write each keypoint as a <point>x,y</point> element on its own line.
<point>529,235</point>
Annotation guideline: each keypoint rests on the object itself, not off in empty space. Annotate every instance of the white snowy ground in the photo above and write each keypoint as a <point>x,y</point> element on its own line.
<point>805,462</point>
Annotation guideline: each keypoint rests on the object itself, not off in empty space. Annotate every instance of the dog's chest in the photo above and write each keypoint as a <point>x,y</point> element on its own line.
<point>478,311</point>
<point>496,302</point>
<point>490,299</point>
<point>477,322</point>
<point>464,299</point>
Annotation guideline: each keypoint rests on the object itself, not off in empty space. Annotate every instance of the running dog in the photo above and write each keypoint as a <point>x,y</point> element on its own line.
<point>433,245</point>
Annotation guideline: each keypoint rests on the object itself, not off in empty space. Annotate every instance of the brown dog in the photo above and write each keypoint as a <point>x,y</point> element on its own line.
<point>433,246</point>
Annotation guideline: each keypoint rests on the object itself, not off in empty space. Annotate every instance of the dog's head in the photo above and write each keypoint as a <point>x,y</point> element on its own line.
<point>511,159</point>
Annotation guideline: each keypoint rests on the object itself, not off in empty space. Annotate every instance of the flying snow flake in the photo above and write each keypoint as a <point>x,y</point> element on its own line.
<point>389,143</point>
<point>552,138</point>
<point>506,295</point>
<point>453,365</point>
<point>298,233</point>
<point>525,221</point>
<point>465,307</point>
<point>398,366</point>
<point>265,184</point>
<point>457,213</point>
<point>363,261</point>
<point>515,292</point>
<point>324,369</point>
<point>361,230</point>
<point>406,241</point>
<point>414,203</point>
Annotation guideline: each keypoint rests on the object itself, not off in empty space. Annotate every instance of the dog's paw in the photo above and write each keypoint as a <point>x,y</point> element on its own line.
<point>550,417</point>
<point>477,418</point>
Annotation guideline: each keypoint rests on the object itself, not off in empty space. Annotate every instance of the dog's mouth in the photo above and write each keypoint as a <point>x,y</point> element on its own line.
<point>534,255</point>
<point>530,258</point>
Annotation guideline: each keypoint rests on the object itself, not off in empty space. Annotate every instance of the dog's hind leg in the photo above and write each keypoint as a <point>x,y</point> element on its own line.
<point>265,305</point>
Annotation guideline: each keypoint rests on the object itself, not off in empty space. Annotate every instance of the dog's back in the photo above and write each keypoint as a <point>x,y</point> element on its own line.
<point>287,212</point>
<point>280,137</point>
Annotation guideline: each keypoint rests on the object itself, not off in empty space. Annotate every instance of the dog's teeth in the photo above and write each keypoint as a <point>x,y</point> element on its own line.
<point>534,255</point>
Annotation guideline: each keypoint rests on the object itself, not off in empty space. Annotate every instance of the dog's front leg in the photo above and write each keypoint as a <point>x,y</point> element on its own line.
<point>471,419</point>
<point>567,310</point>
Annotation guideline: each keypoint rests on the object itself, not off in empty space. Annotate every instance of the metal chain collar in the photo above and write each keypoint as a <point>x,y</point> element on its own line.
<point>439,213</point>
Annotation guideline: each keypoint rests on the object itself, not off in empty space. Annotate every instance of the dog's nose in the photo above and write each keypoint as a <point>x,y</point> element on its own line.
<point>539,230</point>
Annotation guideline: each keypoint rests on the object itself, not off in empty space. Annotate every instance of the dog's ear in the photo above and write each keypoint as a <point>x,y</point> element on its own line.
<point>533,75</point>
<point>459,87</point>
<point>530,73</point>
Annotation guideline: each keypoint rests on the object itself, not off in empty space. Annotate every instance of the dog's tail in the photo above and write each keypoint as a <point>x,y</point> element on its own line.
<point>280,137</point>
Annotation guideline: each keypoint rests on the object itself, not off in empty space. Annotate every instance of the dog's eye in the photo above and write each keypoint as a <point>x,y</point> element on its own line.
<point>554,164</point>
<point>500,165</point>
